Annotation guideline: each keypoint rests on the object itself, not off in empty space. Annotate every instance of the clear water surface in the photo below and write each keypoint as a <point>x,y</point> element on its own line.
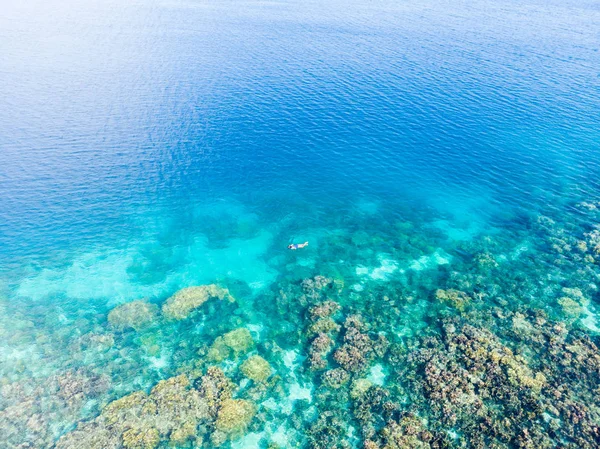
<point>149,146</point>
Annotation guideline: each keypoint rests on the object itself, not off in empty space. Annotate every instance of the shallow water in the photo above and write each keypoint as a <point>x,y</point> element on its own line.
<point>422,147</point>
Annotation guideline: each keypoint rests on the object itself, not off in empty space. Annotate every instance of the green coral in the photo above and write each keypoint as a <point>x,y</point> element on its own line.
<point>185,301</point>
<point>234,343</point>
<point>570,307</point>
<point>360,387</point>
<point>256,368</point>
<point>135,315</point>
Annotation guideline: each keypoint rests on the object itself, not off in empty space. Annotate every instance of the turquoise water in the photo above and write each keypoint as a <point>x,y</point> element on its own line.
<point>440,157</point>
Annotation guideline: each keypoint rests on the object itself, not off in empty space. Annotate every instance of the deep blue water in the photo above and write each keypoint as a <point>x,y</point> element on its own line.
<point>147,146</point>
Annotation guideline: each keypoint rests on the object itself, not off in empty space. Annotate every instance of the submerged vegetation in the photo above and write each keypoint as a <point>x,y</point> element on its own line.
<point>416,341</point>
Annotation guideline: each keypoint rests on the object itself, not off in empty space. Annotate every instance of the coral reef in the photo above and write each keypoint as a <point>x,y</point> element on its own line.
<point>172,412</point>
<point>185,301</point>
<point>31,413</point>
<point>495,345</point>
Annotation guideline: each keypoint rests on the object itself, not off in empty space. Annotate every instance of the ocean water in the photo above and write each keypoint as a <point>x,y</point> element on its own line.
<point>440,157</point>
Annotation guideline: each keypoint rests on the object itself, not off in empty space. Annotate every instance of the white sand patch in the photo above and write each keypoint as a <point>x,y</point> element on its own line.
<point>296,390</point>
<point>282,435</point>
<point>249,441</point>
<point>377,375</point>
<point>520,249</point>
<point>590,320</point>
<point>161,362</point>
<point>299,393</point>
<point>456,232</point>
<point>367,207</point>
<point>439,257</point>
<point>256,330</point>
<point>290,359</point>
<point>358,287</point>
<point>386,268</point>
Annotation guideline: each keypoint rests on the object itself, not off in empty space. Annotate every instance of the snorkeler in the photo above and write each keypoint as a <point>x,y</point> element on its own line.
<point>295,246</point>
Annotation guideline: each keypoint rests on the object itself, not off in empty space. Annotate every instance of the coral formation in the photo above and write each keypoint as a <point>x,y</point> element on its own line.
<point>256,368</point>
<point>185,301</point>
<point>132,315</point>
<point>147,438</point>
<point>232,344</point>
<point>335,378</point>
<point>454,297</point>
<point>358,350</point>
<point>172,411</point>
<point>235,416</point>
<point>408,432</point>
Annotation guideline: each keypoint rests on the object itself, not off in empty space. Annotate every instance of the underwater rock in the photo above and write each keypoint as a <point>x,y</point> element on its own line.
<point>593,241</point>
<point>324,329</point>
<point>370,407</point>
<point>34,410</point>
<point>239,340</point>
<point>132,315</point>
<point>472,381</point>
<point>185,301</point>
<point>323,326</point>
<point>95,342</point>
<point>570,307</point>
<point>183,434</point>
<point>75,386</point>
<point>314,289</point>
<point>316,283</point>
<point>256,368</point>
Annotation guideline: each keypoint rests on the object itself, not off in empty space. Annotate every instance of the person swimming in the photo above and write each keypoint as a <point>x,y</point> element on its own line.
<point>295,246</point>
